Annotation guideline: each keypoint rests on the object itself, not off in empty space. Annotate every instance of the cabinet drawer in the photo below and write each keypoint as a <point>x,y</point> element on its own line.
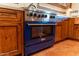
<point>11,15</point>
<point>6,15</point>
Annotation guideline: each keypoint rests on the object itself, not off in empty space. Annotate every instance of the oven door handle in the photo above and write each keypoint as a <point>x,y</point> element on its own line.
<point>41,24</point>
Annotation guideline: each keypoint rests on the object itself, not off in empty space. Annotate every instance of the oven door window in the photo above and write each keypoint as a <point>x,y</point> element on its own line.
<point>41,31</point>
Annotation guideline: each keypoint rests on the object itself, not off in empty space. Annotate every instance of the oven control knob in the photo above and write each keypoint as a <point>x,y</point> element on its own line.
<point>34,14</point>
<point>52,16</point>
<point>39,16</point>
<point>42,15</point>
<point>45,16</point>
<point>30,14</point>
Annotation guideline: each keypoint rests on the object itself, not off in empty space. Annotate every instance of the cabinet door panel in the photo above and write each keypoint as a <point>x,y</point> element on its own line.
<point>9,39</point>
<point>58,33</point>
<point>11,36</point>
<point>64,29</point>
<point>71,28</point>
<point>76,32</point>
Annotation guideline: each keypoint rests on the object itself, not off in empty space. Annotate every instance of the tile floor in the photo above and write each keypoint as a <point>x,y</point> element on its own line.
<point>64,48</point>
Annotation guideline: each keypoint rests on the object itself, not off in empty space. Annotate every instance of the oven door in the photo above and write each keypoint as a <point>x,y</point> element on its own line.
<point>35,31</point>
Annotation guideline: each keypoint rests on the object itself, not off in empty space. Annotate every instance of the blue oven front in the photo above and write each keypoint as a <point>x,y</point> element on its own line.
<point>38,35</point>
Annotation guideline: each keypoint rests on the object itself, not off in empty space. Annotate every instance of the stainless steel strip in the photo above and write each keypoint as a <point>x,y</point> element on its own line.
<point>41,24</point>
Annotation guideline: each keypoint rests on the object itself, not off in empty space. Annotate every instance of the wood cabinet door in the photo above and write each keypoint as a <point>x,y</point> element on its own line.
<point>9,40</point>
<point>76,32</point>
<point>71,28</point>
<point>64,29</point>
<point>58,36</point>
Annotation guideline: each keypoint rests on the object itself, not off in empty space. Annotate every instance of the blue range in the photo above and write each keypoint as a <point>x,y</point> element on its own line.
<point>38,35</point>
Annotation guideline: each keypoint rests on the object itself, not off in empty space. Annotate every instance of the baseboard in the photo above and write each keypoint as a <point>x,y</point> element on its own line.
<point>61,41</point>
<point>74,39</point>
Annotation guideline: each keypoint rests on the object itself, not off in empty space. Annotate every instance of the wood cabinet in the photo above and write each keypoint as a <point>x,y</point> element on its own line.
<point>68,28</point>
<point>11,32</point>
<point>76,32</point>
<point>76,28</point>
<point>65,29</point>
<point>71,28</point>
<point>58,34</point>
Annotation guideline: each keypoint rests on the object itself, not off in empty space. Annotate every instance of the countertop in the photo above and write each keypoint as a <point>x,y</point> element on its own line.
<point>11,7</point>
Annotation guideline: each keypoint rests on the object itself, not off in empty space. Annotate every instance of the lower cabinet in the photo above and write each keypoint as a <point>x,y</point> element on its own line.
<point>10,39</point>
<point>71,28</point>
<point>62,30</point>
<point>11,32</point>
<point>65,29</point>
<point>58,34</point>
<point>68,28</point>
<point>76,32</point>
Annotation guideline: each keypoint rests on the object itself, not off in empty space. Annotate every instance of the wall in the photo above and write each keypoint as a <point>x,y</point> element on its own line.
<point>68,12</point>
<point>75,7</point>
<point>53,8</point>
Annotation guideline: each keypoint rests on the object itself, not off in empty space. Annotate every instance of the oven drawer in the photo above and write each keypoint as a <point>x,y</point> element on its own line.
<point>38,40</point>
<point>37,47</point>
